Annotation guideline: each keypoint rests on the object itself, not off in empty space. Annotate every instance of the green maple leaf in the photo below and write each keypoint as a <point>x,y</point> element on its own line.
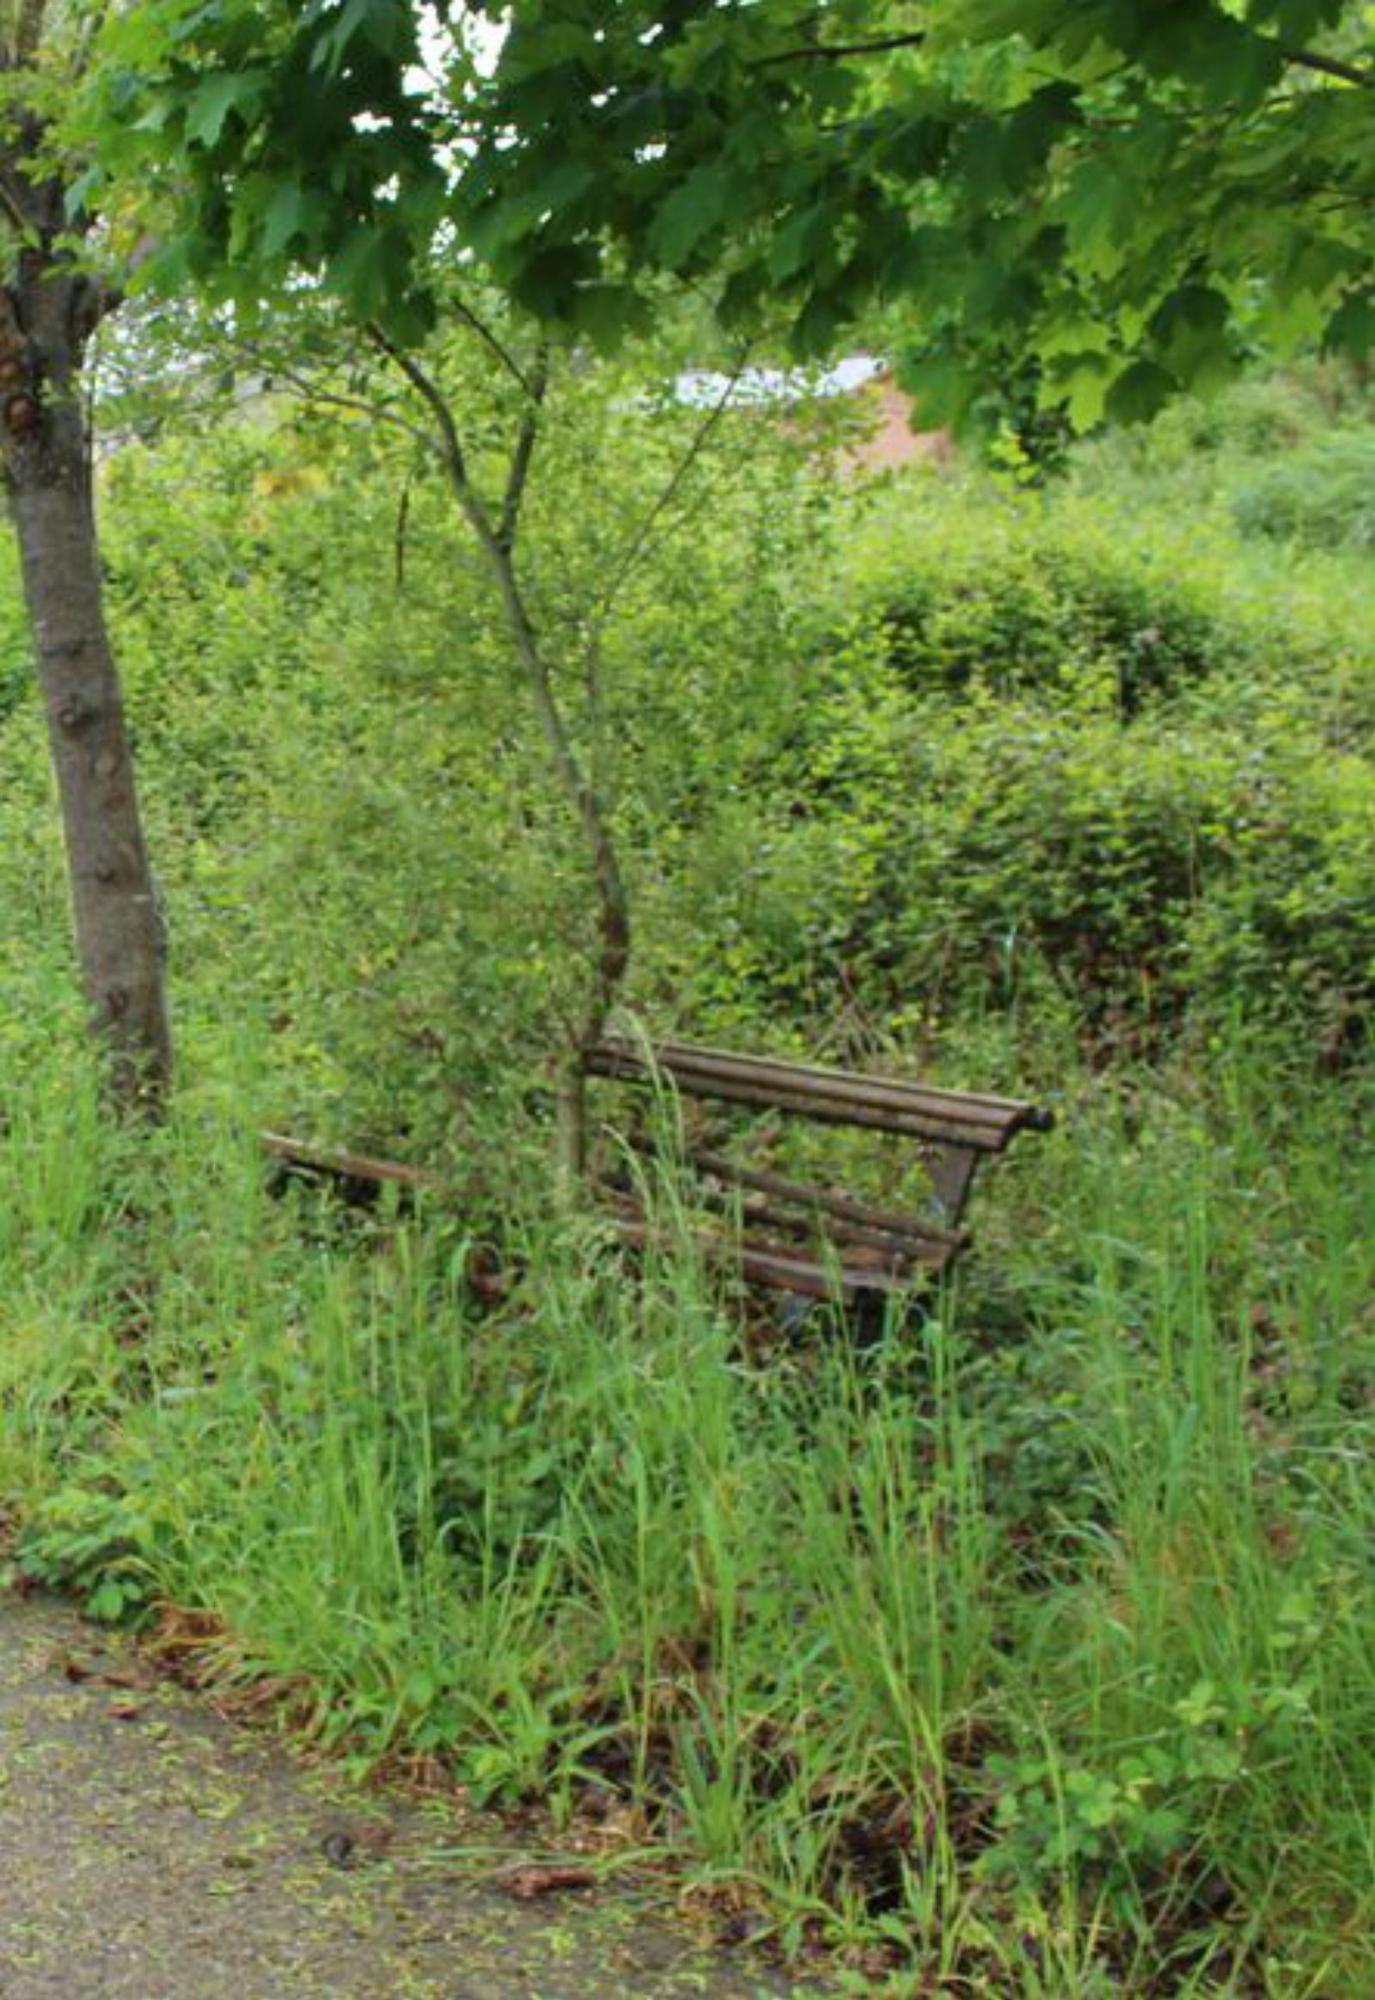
<point>216,96</point>
<point>1352,330</point>
<point>1140,393</point>
<point>1190,330</point>
<point>1102,209</point>
<point>290,213</point>
<point>691,212</point>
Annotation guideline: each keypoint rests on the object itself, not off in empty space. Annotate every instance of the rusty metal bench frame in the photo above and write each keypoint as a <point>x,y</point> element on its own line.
<point>812,1240</point>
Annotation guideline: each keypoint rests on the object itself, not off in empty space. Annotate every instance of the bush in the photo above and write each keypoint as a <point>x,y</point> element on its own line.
<point>1077,599</point>
<point>973,751</point>
<point>1152,874</point>
<point>1322,496</point>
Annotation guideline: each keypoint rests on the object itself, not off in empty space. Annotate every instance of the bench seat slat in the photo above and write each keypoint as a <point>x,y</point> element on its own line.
<point>807,1232</point>
<point>331,1163</point>
<point>783,1270</point>
<point>843,1208</point>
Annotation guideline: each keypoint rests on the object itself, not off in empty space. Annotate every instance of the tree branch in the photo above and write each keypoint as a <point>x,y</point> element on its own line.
<point>333,399</point>
<point>635,548</point>
<point>403,517</point>
<point>88,39</point>
<point>1312,59</point>
<point>1330,66</point>
<point>524,451</point>
<point>613,907</point>
<point>838,51</point>
<point>9,202</point>
<point>501,351</point>
<point>451,445</point>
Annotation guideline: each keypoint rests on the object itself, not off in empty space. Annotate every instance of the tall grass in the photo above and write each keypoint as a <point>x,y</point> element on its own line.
<point>1034,1642</point>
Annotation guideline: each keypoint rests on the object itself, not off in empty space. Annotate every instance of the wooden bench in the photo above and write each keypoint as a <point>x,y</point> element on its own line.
<point>812,1240</point>
<point>358,1176</point>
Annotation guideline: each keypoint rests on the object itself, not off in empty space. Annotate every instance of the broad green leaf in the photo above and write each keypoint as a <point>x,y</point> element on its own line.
<point>1352,329</point>
<point>1080,383</point>
<point>1140,393</point>
<point>215,97</point>
<point>1190,330</point>
<point>691,211</point>
<point>286,217</point>
<point>942,388</point>
<point>1102,209</point>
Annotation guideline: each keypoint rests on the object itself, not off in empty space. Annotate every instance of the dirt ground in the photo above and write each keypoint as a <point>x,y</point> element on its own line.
<point>152,1850</point>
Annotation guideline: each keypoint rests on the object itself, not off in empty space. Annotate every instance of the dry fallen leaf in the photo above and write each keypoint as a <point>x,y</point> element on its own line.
<point>527,1884</point>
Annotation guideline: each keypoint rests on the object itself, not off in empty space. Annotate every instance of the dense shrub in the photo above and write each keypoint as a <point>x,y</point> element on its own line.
<point>927,863</point>
<point>1198,451</point>
<point>1063,616</point>
<point>1080,600</point>
<point>1322,496</point>
<point>919,756</point>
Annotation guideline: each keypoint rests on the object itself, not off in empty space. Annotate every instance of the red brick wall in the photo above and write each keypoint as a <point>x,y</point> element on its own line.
<point>894,442</point>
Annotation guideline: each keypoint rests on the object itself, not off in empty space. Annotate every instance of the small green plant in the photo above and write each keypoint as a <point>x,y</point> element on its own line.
<point>98,1545</point>
<point>1052,1819</point>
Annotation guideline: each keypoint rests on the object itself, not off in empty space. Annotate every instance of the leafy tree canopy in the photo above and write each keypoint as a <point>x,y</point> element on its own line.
<point>1132,196</point>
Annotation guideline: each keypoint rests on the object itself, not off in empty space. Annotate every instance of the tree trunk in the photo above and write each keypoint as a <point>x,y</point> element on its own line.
<point>45,321</point>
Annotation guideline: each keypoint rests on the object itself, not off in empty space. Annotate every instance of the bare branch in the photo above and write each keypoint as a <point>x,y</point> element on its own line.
<point>580,793</point>
<point>311,391</point>
<point>403,519</point>
<point>839,51</point>
<point>10,203</point>
<point>1312,59</point>
<point>88,40</point>
<point>639,541</point>
<point>450,444</point>
<point>332,399</point>
<point>525,450</point>
<point>497,346</point>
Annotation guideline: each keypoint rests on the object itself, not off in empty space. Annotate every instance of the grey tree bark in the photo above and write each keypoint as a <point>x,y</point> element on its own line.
<point>47,315</point>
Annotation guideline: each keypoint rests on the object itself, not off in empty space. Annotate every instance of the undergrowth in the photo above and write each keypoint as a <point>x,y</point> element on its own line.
<point>1030,1645</point>
<point>1027,1648</point>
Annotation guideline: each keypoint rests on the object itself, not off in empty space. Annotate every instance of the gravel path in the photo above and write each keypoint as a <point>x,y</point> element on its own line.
<point>150,1850</point>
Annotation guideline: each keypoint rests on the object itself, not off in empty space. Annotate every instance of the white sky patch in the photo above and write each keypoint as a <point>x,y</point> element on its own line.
<point>481,37</point>
<point>779,385</point>
<point>445,43</point>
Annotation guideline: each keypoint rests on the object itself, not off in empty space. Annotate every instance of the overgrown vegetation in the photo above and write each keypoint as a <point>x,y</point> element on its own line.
<point>1028,1647</point>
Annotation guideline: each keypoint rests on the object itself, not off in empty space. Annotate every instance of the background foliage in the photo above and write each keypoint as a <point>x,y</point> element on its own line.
<point>888,757</point>
<point>1030,1645</point>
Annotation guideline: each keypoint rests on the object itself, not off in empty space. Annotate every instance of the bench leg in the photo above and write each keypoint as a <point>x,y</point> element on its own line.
<point>952,1171</point>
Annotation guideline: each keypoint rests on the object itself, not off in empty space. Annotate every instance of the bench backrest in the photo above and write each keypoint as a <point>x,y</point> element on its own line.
<point>956,1128</point>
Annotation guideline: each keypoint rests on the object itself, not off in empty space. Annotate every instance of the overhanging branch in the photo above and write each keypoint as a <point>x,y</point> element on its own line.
<point>1345,72</point>
<point>839,51</point>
